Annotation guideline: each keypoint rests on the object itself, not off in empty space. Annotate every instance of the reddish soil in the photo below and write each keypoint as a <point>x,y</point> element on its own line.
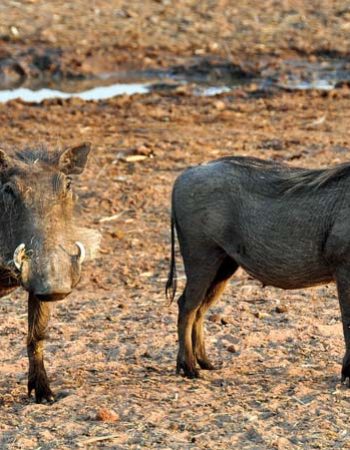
<point>112,346</point>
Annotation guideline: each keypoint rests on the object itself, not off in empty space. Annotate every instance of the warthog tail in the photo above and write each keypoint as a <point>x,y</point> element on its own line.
<point>170,287</point>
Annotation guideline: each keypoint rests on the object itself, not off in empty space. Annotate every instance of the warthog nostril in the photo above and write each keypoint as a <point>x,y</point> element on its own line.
<point>18,256</point>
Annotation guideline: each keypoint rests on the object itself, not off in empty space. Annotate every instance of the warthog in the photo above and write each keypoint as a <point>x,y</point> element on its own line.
<point>287,227</point>
<point>42,243</point>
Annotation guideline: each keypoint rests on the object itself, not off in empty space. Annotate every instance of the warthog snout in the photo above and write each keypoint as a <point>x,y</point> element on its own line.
<point>49,275</point>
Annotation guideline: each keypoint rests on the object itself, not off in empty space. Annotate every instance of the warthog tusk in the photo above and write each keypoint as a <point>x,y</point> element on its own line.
<point>82,253</point>
<point>18,256</point>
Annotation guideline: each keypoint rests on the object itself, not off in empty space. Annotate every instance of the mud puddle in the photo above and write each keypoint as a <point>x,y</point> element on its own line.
<point>200,78</point>
<point>197,80</point>
<point>305,75</point>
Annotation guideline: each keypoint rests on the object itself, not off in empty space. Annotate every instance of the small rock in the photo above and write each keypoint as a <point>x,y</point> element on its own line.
<point>107,415</point>
<point>261,315</point>
<point>182,90</point>
<point>213,46</point>
<point>242,307</point>
<point>49,36</point>
<point>226,320</point>
<point>11,73</point>
<point>220,105</point>
<point>232,349</point>
<point>121,179</point>
<point>143,150</point>
<point>134,158</point>
<point>273,144</point>
<point>281,309</point>
<point>118,234</point>
<point>14,31</point>
<point>215,318</point>
<point>281,443</point>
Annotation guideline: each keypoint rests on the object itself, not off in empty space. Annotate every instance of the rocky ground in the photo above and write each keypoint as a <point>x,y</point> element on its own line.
<point>112,346</point>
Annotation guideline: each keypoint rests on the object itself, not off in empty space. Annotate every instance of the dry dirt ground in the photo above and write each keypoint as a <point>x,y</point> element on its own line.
<point>112,343</point>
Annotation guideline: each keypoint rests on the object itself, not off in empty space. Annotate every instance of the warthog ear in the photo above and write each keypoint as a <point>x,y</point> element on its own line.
<point>4,160</point>
<point>73,160</point>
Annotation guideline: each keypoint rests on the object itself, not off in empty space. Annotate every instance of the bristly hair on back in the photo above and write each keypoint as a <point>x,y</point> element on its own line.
<point>313,178</point>
<point>290,179</point>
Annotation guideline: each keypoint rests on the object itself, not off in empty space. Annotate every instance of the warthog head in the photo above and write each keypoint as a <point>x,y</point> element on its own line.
<point>42,245</point>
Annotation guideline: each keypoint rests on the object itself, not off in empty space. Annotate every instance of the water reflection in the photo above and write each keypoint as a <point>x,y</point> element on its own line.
<point>97,93</point>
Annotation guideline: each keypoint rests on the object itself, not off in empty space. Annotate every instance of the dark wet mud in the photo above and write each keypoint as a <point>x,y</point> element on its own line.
<point>204,77</point>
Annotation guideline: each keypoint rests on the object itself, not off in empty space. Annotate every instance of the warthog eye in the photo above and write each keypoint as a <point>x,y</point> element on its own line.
<point>8,190</point>
<point>68,184</point>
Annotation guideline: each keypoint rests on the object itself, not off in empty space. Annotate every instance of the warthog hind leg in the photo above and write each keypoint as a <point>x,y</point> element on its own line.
<point>187,313</point>
<point>204,284</point>
<point>38,318</point>
<point>226,270</point>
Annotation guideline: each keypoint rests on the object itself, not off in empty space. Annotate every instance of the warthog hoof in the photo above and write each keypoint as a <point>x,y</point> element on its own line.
<point>345,372</point>
<point>189,371</point>
<point>205,364</point>
<point>345,375</point>
<point>40,384</point>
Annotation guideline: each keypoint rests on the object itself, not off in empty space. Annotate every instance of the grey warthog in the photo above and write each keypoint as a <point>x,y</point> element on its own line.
<point>42,242</point>
<point>287,227</point>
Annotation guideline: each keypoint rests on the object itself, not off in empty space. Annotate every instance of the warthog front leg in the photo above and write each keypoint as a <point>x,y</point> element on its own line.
<point>343,285</point>
<point>38,318</point>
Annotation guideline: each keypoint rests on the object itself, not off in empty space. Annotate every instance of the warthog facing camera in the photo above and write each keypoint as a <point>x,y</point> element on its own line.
<point>287,227</point>
<point>42,243</point>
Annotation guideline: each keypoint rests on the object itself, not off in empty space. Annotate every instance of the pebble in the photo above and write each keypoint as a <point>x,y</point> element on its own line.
<point>232,349</point>
<point>107,415</point>
<point>281,309</point>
